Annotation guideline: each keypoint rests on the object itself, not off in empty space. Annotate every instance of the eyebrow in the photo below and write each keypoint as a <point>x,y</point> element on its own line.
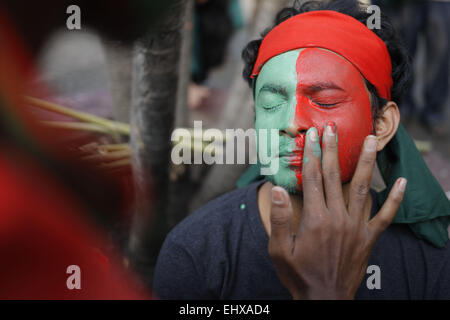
<point>311,88</point>
<point>319,86</point>
<point>275,88</point>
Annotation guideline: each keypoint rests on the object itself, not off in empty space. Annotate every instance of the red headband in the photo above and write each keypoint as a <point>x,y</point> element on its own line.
<point>337,32</point>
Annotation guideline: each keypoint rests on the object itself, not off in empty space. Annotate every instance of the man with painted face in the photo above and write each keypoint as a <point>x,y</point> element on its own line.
<point>327,84</point>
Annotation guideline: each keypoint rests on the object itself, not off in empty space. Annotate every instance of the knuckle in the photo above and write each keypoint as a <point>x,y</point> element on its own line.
<point>331,144</point>
<point>383,222</point>
<point>397,199</point>
<point>332,174</point>
<point>333,195</point>
<point>340,223</point>
<point>336,225</point>
<point>351,224</point>
<point>344,223</point>
<point>319,222</point>
<point>277,253</point>
<point>368,158</point>
<point>372,236</point>
<point>312,176</point>
<point>361,189</point>
<point>279,219</point>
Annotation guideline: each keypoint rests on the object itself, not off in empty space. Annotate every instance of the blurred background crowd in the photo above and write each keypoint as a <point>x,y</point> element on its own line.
<point>94,71</point>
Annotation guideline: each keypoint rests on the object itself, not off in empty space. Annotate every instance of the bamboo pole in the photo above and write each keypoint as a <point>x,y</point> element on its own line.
<point>113,126</point>
<point>116,155</point>
<point>113,147</point>
<point>116,164</point>
<point>78,126</point>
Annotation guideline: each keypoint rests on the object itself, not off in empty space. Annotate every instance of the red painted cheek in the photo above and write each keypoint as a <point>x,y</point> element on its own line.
<point>298,159</point>
<point>352,130</point>
<point>353,118</point>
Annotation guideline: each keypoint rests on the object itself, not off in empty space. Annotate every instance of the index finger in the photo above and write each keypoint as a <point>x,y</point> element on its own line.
<point>360,184</point>
<point>384,217</point>
<point>313,195</point>
<point>331,169</point>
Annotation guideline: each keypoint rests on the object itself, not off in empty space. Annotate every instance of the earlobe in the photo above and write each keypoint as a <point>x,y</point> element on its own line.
<point>386,124</point>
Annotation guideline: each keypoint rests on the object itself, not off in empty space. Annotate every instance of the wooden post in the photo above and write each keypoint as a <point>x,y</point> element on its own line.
<point>154,90</point>
<point>181,186</point>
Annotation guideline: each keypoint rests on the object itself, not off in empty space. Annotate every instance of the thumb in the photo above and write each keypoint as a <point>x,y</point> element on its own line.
<point>280,222</point>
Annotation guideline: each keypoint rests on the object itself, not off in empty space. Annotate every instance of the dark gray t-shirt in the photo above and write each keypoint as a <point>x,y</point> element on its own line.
<point>220,252</point>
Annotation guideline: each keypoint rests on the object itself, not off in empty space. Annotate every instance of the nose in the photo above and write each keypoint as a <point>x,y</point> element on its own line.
<point>292,130</point>
<point>298,120</point>
<point>296,126</point>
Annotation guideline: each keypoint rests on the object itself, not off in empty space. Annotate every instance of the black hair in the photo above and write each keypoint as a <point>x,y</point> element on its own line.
<point>401,65</point>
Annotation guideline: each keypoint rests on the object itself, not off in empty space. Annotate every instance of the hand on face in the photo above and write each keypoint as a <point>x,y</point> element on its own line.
<point>308,88</point>
<point>328,256</point>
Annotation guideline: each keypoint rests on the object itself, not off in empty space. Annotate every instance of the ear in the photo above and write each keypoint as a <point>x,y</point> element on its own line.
<point>386,124</point>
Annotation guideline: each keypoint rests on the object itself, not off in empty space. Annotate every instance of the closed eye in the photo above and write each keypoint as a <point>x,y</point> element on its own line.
<point>273,107</point>
<point>325,105</point>
<point>271,98</point>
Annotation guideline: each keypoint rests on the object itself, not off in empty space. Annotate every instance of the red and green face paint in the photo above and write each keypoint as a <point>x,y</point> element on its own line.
<point>308,88</point>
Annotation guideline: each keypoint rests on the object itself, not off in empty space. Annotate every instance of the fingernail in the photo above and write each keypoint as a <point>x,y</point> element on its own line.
<point>277,196</point>
<point>402,184</point>
<point>331,129</point>
<point>371,143</point>
<point>312,134</point>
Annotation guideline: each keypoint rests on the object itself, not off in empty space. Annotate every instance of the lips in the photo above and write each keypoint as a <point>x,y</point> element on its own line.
<point>296,162</point>
<point>294,158</point>
<point>300,143</point>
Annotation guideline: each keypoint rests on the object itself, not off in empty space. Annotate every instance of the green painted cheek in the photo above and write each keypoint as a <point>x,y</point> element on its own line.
<point>280,71</point>
<point>284,177</point>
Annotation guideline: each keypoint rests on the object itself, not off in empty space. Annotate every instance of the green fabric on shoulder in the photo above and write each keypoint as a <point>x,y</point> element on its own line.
<point>425,207</point>
<point>251,175</point>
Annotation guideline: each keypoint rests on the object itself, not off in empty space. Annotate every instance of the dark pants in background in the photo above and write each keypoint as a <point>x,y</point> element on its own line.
<point>432,20</point>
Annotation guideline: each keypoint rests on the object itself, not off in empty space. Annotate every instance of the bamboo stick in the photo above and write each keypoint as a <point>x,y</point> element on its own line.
<point>88,148</point>
<point>108,156</point>
<point>123,128</point>
<point>113,126</point>
<point>99,124</point>
<point>113,147</point>
<point>116,164</point>
<point>80,126</point>
<point>101,129</point>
